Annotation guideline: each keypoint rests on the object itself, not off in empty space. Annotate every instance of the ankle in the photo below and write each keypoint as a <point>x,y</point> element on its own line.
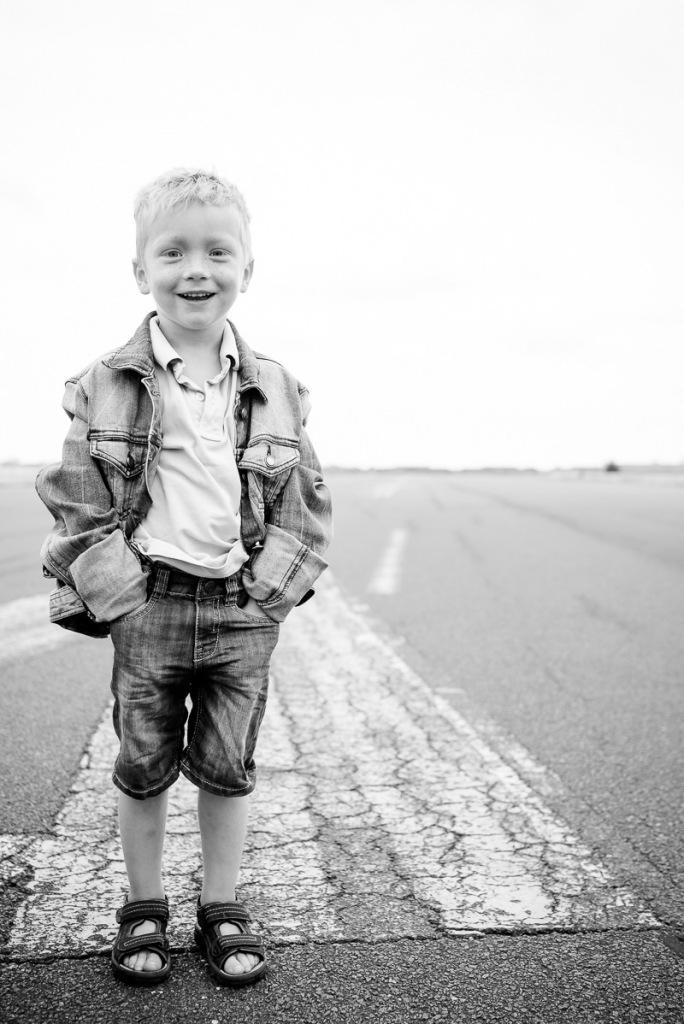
<point>214,896</point>
<point>148,893</point>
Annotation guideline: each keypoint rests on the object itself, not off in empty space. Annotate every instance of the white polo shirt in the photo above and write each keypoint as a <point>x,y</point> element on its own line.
<point>194,521</point>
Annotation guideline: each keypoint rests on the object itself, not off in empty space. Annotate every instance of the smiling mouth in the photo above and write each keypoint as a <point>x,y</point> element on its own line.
<point>196,296</point>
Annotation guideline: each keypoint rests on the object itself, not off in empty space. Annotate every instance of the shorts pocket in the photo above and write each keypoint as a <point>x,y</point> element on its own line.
<point>245,618</point>
<point>138,613</point>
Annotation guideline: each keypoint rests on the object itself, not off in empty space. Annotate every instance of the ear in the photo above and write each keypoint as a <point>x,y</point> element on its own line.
<point>140,276</point>
<point>247,276</point>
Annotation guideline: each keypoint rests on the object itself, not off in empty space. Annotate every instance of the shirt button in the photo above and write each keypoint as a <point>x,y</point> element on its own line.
<point>199,396</point>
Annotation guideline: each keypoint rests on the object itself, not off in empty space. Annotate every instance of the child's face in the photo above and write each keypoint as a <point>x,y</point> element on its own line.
<point>195,267</point>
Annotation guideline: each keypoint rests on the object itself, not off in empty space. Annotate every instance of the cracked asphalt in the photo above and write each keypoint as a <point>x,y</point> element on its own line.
<point>448,824</point>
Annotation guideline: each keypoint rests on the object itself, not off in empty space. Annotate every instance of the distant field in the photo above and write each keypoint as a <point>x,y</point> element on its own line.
<point>17,474</point>
<point>667,475</point>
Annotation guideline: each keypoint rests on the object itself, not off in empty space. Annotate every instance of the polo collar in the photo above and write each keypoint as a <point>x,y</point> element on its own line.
<point>165,354</point>
<point>137,354</point>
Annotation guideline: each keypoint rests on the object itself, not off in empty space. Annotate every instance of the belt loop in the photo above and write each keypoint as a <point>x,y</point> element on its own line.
<point>161,579</point>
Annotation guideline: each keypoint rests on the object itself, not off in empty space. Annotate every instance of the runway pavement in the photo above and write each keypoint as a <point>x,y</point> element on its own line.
<point>446,825</point>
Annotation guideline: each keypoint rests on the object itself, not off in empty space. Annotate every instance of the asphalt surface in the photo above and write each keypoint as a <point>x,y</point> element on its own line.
<point>541,980</point>
<point>548,612</point>
<point>555,606</point>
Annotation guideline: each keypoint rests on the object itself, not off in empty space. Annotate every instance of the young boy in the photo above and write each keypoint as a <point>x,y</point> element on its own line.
<point>190,518</point>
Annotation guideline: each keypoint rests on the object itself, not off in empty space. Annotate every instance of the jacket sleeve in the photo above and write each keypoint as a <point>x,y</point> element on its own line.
<point>86,549</point>
<point>284,568</point>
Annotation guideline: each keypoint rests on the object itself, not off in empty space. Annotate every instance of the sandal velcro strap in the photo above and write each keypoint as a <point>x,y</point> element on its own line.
<point>143,942</point>
<point>214,913</point>
<point>245,943</point>
<point>143,910</point>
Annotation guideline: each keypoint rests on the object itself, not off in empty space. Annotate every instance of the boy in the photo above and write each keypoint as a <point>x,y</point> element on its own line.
<point>190,517</point>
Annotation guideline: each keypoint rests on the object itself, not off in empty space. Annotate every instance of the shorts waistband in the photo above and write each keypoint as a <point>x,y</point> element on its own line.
<point>166,579</point>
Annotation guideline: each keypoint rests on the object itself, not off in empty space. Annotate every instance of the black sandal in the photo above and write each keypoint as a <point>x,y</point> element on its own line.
<point>130,915</point>
<point>217,948</point>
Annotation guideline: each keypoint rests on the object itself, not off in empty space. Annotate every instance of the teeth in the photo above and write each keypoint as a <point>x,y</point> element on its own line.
<point>196,295</point>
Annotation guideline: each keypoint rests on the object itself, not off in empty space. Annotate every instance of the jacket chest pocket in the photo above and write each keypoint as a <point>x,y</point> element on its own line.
<point>121,458</point>
<point>271,463</point>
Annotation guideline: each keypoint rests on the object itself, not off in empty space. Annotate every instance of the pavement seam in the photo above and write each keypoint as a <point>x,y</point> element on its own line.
<point>182,950</point>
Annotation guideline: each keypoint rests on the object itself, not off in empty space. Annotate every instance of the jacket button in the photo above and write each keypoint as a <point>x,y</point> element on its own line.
<point>130,462</point>
<point>243,413</point>
<point>270,461</point>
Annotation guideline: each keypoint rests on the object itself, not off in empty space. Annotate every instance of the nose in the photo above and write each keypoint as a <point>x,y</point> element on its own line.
<point>195,267</point>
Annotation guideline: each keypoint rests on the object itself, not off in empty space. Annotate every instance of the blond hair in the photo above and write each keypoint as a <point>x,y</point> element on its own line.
<point>176,189</point>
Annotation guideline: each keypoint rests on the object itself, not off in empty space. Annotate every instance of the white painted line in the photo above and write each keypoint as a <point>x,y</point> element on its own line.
<point>79,877</point>
<point>385,579</point>
<point>25,628</point>
<point>284,877</point>
<point>474,841</point>
<point>380,812</point>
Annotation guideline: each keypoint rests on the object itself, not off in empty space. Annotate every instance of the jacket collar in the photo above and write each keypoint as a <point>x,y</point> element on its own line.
<point>137,355</point>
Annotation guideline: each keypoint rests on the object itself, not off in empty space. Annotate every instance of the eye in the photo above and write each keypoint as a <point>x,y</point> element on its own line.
<point>219,252</point>
<point>172,253</point>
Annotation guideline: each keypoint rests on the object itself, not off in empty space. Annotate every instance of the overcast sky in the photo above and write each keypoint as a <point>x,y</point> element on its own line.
<point>467,215</point>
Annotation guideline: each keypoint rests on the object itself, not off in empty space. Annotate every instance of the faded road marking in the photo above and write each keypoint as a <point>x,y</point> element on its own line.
<point>385,579</point>
<point>25,628</point>
<point>380,813</point>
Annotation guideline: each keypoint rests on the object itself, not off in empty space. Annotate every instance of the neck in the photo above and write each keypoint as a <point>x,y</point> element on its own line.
<point>206,341</point>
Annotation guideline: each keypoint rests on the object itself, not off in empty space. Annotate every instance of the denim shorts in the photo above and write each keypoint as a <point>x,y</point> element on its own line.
<point>192,639</point>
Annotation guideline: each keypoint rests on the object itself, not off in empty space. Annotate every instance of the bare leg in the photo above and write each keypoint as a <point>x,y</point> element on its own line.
<point>143,825</point>
<point>223,826</point>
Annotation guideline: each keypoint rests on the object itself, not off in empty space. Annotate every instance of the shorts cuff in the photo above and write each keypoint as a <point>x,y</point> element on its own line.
<point>211,787</point>
<point>145,794</point>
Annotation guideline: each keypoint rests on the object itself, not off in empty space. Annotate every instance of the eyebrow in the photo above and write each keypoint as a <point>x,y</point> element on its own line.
<point>180,240</point>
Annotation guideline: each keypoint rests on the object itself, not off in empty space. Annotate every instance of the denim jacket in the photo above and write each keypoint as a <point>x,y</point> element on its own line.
<point>100,491</point>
